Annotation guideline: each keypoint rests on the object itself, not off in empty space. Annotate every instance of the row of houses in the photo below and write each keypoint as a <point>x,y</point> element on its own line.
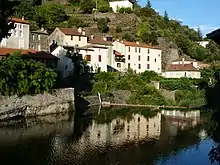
<point>102,52</point>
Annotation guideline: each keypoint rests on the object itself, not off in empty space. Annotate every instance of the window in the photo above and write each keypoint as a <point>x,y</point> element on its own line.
<point>139,66</point>
<point>129,49</point>
<point>139,58</point>
<point>129,65</point>
<point>139,50</point>
<point>119,65</point>
<point>158,55</point>
<point>20,33</point>
<point>66,67</point>
<point>148,66</point>
<point>71,37</point>
<point>20,26</point>
<point>155,60</point>
<point>79,38</point>
<point>135,49</point>
<point>100,58</point>
<point>148,58</point>
<point>39,37</point>
<point>129,57</point>
<point>88,57</point>
<point>148,51</point>
<point>15,32</point>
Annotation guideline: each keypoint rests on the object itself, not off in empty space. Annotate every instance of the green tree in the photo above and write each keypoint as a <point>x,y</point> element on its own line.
<point>166,17</point>
<point>148,5</point>
<point>103,25</point>
<point>76,22</point>
<point>199,32</point>
<point>118,29</point>
<point>87,6</point>
<point>6,10</point>
<point>24,76</point>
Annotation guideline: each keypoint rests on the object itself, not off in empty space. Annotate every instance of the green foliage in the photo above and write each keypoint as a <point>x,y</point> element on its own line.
<point>103,25</point>
<point>76,22</point>
<point>128,36</point>
<point>24,76</point>
<point>148,4</point>
<point>121,10</point>
<point>86,6</point>
<point>118,29</point>
<point>105,9</point>
<point>166,17</point>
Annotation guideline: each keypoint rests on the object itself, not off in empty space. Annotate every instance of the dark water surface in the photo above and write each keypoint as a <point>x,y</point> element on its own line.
<point>110,138</point>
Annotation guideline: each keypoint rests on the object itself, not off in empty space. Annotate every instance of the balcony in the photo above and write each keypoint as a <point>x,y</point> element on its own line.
<point>119,57</point>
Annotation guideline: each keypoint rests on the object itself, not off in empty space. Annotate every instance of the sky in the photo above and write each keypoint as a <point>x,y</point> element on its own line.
<point>194,13</point>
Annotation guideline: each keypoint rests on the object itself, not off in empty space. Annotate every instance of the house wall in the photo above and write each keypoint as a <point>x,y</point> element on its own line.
<point>179,74</point>
<point>19,37</point>
<point>154,55</point>
<point>39,41</point>
<point>119,4</point>
<point>57,36</point>
<point>64,65</point>
<point>203,43</point>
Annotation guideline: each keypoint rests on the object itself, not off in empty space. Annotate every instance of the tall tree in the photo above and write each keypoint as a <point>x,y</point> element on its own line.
<point>199,32</point>
<point>6,10</point>
<point>148,4</point>
<point>166,17</point>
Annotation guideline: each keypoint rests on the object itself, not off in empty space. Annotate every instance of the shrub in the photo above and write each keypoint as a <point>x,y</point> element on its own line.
<point>177,84</point>
<point>24,76</point>
<point>104,9</point>
<point>128,10</point>
<point>121,10</point>
<point>103,25</point>
<point>118,29</point>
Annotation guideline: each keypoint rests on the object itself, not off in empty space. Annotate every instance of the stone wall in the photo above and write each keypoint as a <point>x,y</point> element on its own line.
<point>42,104</point>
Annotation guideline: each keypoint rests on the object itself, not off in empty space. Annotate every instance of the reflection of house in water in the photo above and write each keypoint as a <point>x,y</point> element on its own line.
<point>120,130</point>
<point>182,119</point>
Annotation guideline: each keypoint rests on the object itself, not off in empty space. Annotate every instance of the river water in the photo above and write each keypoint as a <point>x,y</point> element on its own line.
<point>120,137</point>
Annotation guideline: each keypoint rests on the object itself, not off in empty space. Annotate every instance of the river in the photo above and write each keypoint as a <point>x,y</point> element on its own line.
<point>120,137</point>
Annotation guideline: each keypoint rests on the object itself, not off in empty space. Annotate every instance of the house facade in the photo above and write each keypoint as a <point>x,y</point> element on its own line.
<point>38,40</point>
<point>138,57</point>
<point>68,37</point>
<point>182,70</point>
<point>116,5</point>
<point>19,37</point>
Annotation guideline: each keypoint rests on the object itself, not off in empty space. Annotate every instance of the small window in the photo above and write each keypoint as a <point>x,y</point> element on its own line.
<point>100,58</point>
<point>148,58</point>
<point>139,50</point>
<point>139,58</point>
<point>71,37</point>
<point>15,32</point>
<point>129,49</point>
<point>135,49</point>
<point>20,26</point>
<point>88,57</point>
<point>148,51</point>
<point>20,33</point>
<point>129,65</point>
<point>139,66</point>
<point>39,37</point>
<point>129,57</point>
<point>155,60</point>
<point>158,55</point>
<point>79,38</point>
<point>148,66</point>
<point>119,65</point>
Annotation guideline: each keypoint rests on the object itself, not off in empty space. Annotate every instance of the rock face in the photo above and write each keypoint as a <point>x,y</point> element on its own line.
<point>60,100</point>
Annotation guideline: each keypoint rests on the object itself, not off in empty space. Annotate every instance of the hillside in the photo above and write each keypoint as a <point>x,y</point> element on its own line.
<point>142,24</point>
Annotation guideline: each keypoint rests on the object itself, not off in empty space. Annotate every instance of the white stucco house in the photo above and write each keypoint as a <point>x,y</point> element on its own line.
<point>186,60</point>
<point>203,43</point>
<point>19,38</point>
<point>182,70</point>
<point>138,57</point>
<point>116,5</point>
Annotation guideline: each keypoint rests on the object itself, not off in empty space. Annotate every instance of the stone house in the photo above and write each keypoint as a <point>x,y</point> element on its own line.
<point>182,70</point>
<point>68,37</point>
<point>19,37</point>
<point>38,40</point>
<point>137,56</point>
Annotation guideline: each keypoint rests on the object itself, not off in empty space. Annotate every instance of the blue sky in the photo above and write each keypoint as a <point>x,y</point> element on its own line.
<point>194,13</point>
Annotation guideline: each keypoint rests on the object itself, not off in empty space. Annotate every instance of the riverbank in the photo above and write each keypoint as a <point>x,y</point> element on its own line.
<point>58,101</point>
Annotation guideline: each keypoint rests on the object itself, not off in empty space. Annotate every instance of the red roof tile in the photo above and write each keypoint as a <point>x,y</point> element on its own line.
<point>19,20</point>
<point>99,40</point>
<point>134,44</point>
<point>181,67</point>
<point>70,31</point>
<point>117,53</point>
<point>31,53</point>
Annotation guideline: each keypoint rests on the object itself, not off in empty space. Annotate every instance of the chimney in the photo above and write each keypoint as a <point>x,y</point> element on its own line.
<point>137,42</point>
<point>92,37</point>
<point>80,30</point>
<point>22,17</point>
<point>183,60</point>
<point>83,32</point>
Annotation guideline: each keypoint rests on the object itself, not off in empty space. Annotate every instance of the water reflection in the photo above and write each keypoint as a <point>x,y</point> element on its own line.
<point>107,138</point>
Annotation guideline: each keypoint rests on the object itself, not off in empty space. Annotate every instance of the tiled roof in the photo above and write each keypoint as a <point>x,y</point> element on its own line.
<point>19,20</point>
<point>186,58</point>
<point>31,53</point>
<point>181,67</point>
<point>134,44</point>
<point>117,53</point>
<point>100,41</point>
<point>70,31</point>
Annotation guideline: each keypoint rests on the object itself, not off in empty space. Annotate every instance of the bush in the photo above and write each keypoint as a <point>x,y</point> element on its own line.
<point>177,84</point>
<point>103,25</point>
<point>121,10</point>
<point>24,76</point>
<point>76,22</point>
<point>128,10</point>
<point>118,29</point>
<point>104,9</point>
